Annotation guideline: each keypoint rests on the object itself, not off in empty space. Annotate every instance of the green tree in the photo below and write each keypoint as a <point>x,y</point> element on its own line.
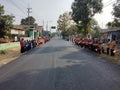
<point>1,10</point>
<point>28,21</point>
<point>9,19</point>
<point>64,23</point>
<point>2,28</point>
<point>73,29</point>
<point>116,14</point>
<point>116,11</point>
<point>96,30</point>
<point>84,10</point>
<point>6,23</point>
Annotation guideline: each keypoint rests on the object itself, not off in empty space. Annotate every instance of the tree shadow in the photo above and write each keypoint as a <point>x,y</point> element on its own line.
<point>69,77</point>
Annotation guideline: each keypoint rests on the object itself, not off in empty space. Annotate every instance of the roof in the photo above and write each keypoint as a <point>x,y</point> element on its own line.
<point>110,30</point>
<point>20,27</point>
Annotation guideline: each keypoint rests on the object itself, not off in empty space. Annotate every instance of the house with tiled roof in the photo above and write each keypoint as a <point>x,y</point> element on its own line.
<point>19,30</point>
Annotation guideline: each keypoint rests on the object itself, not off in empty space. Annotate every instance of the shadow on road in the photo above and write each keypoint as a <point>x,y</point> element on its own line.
<point>74,77</point>
<point>79,73</point>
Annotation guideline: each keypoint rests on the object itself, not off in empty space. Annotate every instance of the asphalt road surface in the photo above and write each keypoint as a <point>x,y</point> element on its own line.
<point>60,65</point>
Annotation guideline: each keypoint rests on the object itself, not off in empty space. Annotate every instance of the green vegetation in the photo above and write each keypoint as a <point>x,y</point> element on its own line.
<point>3,52</point>
<point>28,21</point>
<point>66,25</point>
<point>83,12</point>
<point>116,14</point>
<point>7,46</point>
<point>6,23</point>
<point>80,21</point>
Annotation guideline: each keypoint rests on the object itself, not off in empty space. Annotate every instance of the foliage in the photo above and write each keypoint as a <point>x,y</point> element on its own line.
<point>116,11</point>
<point>84,10</point>
<point>96,32</point>
<point>6,23</point>
<point>3,52</point>
<point>40,34</point>
<point>28,21</point>
<point>73,29</point>
<point>2,28</point>
<point>113,24</point>
<point>1,10</point>
<point>64,23</point>
<point>95,29</point>
<point>116,14</point>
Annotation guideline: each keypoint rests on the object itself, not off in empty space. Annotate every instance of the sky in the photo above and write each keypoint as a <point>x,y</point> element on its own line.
<point>47,12</point>
<point>106,15</point>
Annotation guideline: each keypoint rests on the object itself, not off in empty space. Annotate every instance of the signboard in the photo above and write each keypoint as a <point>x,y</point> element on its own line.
<point>53,27</point>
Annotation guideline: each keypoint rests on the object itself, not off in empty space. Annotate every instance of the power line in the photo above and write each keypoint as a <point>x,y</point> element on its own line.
<point>23,4</point>
<point>16,6</point>
<point>109,3</point>
<point>14,14</point>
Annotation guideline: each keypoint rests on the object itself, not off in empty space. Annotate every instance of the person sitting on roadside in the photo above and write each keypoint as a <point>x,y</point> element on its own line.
<point>108,46</point>
<point>112,47</point>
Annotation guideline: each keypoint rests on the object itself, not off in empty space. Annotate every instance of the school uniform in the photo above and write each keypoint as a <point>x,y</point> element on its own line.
<point>108,47</point>
<point>112,47</point>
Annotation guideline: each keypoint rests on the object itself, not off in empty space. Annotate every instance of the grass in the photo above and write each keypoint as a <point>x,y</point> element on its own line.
<point>115,59</point>
<point>3,52</point>
<point>9,53</point>
<point>8,46</point>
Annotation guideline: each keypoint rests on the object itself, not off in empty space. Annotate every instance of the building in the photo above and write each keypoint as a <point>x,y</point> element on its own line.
<point>111,34</point>
<point>21,31</point>
<point>17,31</point>
<point>35,31</point>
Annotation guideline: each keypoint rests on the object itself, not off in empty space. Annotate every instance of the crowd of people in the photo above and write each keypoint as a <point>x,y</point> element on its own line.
<point>26,45</point>
<point>96,45</point>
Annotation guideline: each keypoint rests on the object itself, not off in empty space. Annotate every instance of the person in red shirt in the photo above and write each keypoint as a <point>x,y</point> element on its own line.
<point>22,45</point>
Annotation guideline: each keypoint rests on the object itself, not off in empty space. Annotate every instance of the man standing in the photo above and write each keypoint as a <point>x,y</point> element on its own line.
<point>22,45</point>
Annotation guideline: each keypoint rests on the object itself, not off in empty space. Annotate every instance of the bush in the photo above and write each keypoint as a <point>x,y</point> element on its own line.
<point>4,40</point>
<point>3,52</point>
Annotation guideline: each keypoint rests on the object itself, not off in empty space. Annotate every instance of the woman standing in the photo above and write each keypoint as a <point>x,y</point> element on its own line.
<point>108,46</point>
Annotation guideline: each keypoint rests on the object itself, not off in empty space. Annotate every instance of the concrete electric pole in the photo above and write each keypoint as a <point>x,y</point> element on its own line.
<point>29,15</point>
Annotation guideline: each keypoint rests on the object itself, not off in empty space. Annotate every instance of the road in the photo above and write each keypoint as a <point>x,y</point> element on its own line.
<point>60,65</point>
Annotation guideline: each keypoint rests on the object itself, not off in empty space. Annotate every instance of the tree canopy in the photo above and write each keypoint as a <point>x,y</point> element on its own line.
<point>6,22</point>
<point>1,10</point>
<point>84,10</point>
<point>116,13</point>
<point>28,21</point>
<point>64,22</point>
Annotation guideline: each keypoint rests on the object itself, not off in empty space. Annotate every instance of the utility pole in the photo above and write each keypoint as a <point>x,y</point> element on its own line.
<point>30,31</point>
<point>29,15</point>
<point>43,24</point>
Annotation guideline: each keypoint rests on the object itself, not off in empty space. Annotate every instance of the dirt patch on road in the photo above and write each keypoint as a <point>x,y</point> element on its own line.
<point>9,55</point>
